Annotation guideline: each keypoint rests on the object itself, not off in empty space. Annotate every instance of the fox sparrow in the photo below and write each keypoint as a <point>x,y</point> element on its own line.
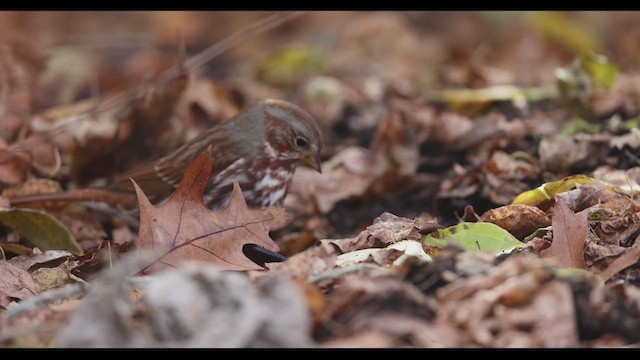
<point>260,148</point>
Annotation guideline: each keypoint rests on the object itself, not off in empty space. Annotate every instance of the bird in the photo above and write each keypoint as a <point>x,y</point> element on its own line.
<point>260,148</point>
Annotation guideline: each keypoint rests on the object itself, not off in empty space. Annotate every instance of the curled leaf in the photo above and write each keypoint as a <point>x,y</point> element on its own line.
<point>547,191</point>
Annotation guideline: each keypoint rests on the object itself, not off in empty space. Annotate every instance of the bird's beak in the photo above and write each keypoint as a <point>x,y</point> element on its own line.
<point>312,161</point>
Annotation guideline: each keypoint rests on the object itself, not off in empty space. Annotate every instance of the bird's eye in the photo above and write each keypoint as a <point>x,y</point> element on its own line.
<point>301,142</point>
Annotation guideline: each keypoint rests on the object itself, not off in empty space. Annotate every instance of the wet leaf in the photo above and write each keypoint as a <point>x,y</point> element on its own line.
<point>480,236</point>
<point>40,229</point>
<point>569,234</point>
<point>183,228</point>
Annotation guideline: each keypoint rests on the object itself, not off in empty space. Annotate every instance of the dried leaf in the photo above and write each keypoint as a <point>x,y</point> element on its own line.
<point>183,228</point>
<point>16,283</point>
<point>569,234</point>
<point>14,165</point>
<point>309,263</point>
<point>627,259</point>
<point>347,174</point>
<point>562,155</point>
<point>137,130</point>
<point>393,254</point>
<point>54,277</point>
<point>519,220</point>
<point>28,262</point>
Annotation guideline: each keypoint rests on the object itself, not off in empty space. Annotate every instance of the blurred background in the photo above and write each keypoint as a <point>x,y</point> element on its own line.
<point>432,49</point>
<point>378,81</point>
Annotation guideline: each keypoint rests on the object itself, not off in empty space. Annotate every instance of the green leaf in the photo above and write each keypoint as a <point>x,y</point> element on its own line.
<point>601,70</point>
<point>580,125</point>
<point>587,70</point>
<point>40,229</point>
<point>479,236</point>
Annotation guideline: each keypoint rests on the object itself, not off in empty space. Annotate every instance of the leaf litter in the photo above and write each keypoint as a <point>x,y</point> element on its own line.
<point>429,130</point>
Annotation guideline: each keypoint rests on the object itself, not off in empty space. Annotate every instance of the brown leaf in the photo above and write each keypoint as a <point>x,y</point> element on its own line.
<point>629,258</point>
<point>16,283</point>
<point>132,130</point>
<point>184,229</point>
<point>493,308</point>
<point>569,233</point>
<point>559,154</point>
<point>520,220</point>
<point>347,174</point>
<point>387,229</point>
<point>14,165</point>
<point>308,263</point>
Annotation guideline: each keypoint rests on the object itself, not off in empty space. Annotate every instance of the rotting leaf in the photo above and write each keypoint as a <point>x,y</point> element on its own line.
<point>479,236</point>
<point>184,229</point>
<point>569,234</point>
<point>40,229</point>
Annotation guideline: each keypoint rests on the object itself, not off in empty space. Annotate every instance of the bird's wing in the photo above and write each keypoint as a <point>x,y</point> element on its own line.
<point>147,178</point>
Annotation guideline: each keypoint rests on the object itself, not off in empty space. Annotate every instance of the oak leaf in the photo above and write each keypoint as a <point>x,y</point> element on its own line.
<point>569,233</point>
<point>183,228</point>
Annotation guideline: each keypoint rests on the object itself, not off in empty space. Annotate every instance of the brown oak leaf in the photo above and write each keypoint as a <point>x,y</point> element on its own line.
<point>183,228</point>
<point>569,234</point>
